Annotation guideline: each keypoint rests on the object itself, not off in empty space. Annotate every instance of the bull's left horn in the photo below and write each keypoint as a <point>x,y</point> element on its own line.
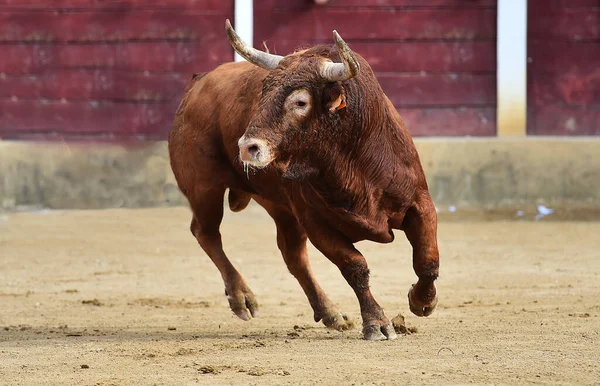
<point>341,71</point>
<point>254,56</point>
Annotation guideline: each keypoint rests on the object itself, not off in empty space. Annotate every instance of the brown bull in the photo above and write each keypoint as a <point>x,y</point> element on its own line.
<point>313,139</point>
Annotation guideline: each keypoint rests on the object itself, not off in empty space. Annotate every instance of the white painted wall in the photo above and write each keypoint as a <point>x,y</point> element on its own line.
<point>243,22</point>
<point>512,67</point>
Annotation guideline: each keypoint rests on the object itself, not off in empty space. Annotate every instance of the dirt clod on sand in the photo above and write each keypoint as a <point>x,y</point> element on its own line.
<point>257,372</point>
<point>208,370</point>
<point>400,326</point>
<point>93,302</point>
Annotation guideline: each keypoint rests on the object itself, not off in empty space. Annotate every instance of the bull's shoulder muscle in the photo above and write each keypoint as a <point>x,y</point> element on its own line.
<point>218,92</point>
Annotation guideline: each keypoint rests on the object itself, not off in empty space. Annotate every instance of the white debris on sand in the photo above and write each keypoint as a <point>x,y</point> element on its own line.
<point>543,211</point>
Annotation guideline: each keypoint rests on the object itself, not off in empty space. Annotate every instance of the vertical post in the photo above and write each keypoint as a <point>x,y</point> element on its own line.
<point>512,68</point>
<point>243,22</point>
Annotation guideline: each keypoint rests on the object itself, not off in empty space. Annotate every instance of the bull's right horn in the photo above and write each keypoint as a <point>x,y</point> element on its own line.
<point>341,71</point>
<point>254,56</point>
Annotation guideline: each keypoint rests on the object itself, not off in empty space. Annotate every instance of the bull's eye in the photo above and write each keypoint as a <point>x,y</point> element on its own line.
<point>299,102</point>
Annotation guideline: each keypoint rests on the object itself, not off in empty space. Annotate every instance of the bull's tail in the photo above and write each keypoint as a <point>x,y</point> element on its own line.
<point>238,200</point>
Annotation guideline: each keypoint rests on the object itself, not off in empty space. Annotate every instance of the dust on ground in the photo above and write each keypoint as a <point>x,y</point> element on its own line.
<point>127,297</point>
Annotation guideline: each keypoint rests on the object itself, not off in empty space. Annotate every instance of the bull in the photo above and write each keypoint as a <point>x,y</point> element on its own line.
<point>312,138</point>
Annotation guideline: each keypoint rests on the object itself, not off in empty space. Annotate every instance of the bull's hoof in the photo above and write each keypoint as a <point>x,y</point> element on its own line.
<point>337,320</point>
<point>422,307</point>
<point>242,302</point>
<point>379,332</point>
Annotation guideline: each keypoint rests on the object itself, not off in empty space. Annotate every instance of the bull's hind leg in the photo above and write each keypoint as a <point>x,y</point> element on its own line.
<point>291,240</point>
<point>420,226</point>
<point>207,206</point>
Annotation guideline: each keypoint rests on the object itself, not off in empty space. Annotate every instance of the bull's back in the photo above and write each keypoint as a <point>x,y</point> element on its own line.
<point>222,102</point>
<point>214,113</point>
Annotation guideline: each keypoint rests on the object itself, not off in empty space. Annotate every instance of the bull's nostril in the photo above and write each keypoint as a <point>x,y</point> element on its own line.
<point>253,150</point>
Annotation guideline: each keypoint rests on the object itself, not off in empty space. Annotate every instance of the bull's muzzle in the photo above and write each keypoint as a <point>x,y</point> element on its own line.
<point>255,152</point>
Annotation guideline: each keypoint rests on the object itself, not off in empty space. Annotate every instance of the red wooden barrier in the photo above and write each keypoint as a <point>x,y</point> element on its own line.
<point>100,5</point>
<point>435,59</point>
<point>563,67</point>
<point>116,69</point>
<point>103,69</point>
<point>89,118</point>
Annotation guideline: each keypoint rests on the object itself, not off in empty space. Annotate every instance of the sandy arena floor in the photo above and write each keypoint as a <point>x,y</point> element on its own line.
<point>128,297</point>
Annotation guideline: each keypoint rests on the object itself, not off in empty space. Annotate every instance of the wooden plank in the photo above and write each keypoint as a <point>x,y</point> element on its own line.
<point>562,4</point>
<point>452,122</point>
<point>111,26</point>
<point>267,5</point>
<point>92,84</point>
<point>421,122</point>
<point>562,57</point>
<point>95,138</point>
<point>188,57</point>
<point>377,24</point>
<point>413,56</point>
<point>77,117</point>
<point>428,89</point>
<point>184,57</point>
<point>569,89</point>
<point>560,119</point>
<point>567,24</point>
<point>44,5</point>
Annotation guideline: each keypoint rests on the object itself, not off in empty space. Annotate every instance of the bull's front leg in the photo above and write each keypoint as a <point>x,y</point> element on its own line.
<point>353,266</point>
<point>420,226</point>
<point>291,240</point>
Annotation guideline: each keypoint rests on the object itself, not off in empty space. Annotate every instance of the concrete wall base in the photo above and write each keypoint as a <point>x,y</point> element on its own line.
<point>489,176</point>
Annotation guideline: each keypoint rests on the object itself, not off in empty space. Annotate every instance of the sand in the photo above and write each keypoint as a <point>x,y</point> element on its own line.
<point>127,297</point>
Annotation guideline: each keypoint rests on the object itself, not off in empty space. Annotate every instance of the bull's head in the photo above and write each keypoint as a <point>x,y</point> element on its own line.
<point>301,94</point>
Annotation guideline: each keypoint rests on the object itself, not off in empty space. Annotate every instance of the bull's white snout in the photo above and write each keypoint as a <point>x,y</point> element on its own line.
<point>254,151</point>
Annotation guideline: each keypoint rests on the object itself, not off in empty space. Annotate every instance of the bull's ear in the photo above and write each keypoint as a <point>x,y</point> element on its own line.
<point>334,97</point>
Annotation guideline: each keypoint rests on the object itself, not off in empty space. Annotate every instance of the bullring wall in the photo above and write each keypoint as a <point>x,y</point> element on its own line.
<point>495,177</point>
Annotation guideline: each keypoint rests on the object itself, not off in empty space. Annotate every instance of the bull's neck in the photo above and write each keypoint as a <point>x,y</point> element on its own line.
<point>376,138</point>
<point>358,162</point>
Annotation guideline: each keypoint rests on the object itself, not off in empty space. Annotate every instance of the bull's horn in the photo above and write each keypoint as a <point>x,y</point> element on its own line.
<point>254,56</point>
<point>341,71</point>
